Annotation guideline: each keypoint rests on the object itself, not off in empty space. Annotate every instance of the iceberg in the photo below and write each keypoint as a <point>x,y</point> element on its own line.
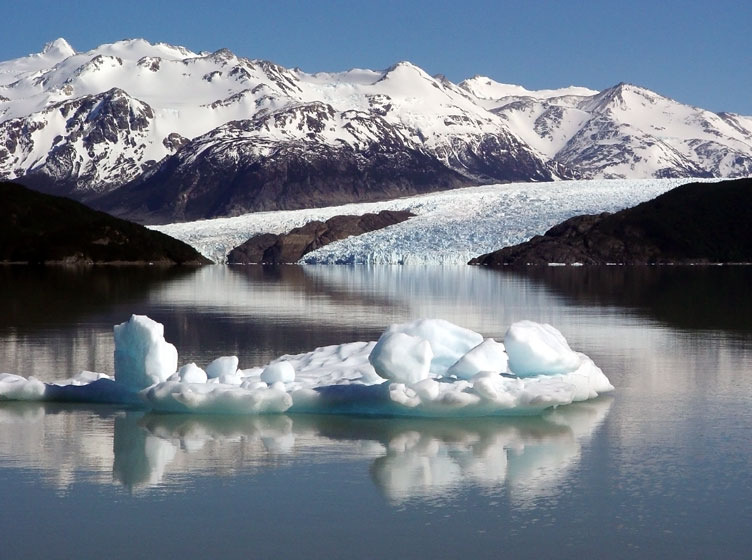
<point>401,357</point>
<point>536,349</point>
<point>424,368</point>
<point>489,355</point>
<point>17,388</point>
<point>142,355</point>
<point>222,366</point>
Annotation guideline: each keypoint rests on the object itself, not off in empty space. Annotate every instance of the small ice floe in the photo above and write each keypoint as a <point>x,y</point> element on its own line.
<point>428,367</point>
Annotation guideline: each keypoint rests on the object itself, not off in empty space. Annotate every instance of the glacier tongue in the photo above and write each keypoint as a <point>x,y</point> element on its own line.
<point>449,227</point>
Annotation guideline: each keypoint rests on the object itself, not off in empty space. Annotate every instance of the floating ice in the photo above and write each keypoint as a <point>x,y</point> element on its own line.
<point>225,365</point>
<point>16,388</point>
<point>216,398</point>
<point>448,341</point>
<point>538,349</point>
<point>191,373</point>
<point>401,357</point>
<point>428,367</point>
<point>489,355</point>
<point>142,356</point>
<point>281,372</point>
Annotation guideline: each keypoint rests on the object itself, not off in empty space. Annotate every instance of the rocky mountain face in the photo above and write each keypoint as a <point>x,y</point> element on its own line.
<point>159,133</point>
<point>696,223</point>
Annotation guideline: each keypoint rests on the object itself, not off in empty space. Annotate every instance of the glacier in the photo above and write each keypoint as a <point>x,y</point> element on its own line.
<point>449,228</point>
<point>424,368</point>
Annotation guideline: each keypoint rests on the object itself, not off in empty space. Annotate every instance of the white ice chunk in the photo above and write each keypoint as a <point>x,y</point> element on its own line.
<point>17,388</point>
<point>215,398</point>
<point>231,379</point>
<point>428,389</point>
<point>253,385</point>
<point>495,388</point>
<point>588,380</point>
<point>401,394</point>
<point>191,373</point>
<point>538,349</point>
<point>401,357</point>
<point>489,355</point>
<point>142,356</point>
<point>222,366</point>
<point>449,342</point>
<point>282,371</point>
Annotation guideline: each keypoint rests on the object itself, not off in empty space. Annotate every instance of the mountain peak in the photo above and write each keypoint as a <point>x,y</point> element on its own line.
<point>405,72</point>
<point>59,47</point>
<point>622,96</point>
<point>403,67</point>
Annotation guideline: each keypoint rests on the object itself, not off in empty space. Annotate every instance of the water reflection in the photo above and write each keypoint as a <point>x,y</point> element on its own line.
<point>627,469</point>
<point>44,298</point>
<point>409,459</point>
<point>60,445</point>
<point>261,305</point>
<point>685,297</point>
<point>64,318</point>
<point>529,457</point>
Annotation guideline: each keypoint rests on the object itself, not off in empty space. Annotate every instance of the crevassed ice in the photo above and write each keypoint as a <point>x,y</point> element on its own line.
<point>428,367</point>
<point>449,227</point>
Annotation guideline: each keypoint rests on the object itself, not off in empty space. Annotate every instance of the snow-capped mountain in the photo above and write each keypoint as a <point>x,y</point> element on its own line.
<point>631,132</point>
<point>161,133</point>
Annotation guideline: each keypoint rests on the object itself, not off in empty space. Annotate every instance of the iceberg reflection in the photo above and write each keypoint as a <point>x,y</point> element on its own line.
<point>423,459</point>
<point>529,457</point>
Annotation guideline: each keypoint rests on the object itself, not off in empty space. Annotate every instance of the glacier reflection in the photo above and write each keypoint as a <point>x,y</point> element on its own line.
<point>410,459</point>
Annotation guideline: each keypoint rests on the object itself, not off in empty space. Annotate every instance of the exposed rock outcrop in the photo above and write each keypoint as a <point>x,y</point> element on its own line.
<point>268,248</point>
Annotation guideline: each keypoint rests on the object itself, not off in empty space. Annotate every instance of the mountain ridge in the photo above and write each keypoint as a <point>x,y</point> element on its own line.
<point>136,128</point>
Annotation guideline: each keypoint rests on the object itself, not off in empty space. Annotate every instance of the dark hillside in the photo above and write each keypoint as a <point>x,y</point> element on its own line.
<point>37,228</point>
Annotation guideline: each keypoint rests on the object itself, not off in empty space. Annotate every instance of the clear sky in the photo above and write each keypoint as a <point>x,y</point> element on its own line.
<point>698,52</point>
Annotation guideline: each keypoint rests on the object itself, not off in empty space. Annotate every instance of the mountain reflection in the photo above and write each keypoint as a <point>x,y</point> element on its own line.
<point>669,294</point>
<point>410,459</point>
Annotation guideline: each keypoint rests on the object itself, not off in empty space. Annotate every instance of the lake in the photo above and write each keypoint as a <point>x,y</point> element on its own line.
<point>660,468</point>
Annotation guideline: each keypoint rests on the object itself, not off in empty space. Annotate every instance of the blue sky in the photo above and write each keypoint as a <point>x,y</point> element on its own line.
<point>696,52</point>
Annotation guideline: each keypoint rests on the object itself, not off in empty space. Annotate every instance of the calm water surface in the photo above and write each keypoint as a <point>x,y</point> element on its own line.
<point>659,469</point>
